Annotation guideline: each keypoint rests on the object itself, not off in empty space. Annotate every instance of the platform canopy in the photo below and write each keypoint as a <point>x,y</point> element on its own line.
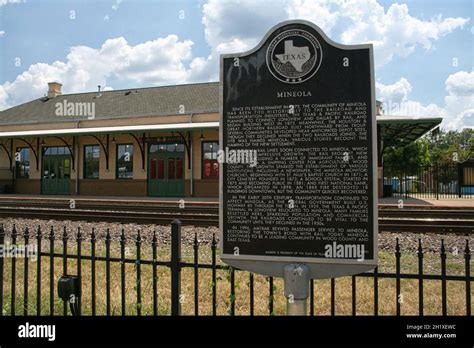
<point>401,130</point>
<point>394,130</point>
<point>113,129</point>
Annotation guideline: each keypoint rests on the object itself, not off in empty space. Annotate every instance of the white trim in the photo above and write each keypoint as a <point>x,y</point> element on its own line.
<point>409,119</point>
<point>186,126</point>
<point>113,129</point>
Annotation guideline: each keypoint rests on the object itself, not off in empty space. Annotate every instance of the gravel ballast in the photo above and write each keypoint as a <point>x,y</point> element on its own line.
<point>408,241</point>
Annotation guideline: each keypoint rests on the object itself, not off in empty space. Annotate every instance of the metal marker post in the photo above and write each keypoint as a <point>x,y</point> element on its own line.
<point>296,279</point>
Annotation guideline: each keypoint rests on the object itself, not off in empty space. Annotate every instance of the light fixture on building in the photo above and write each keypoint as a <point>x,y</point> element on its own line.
<point>113,140</point>
<point>201,137</point>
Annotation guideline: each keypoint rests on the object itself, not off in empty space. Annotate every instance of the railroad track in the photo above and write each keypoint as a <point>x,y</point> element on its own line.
<point>467,214</point>
<point>390,220</point>
<point>168,207</point>
<point>426,225</point>
<point>213,208</point>
<point>110,216</point>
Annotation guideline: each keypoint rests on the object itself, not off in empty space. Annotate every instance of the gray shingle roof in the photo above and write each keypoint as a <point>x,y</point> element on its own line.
<point>135,102</point>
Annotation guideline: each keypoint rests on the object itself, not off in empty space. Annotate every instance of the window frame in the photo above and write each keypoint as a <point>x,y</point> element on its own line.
<point>84,168</point>
<point>202,160</point>
<point>117,161</point>
<point>17,164</point>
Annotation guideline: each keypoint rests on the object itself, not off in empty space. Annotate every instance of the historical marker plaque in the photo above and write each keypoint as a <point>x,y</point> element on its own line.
<point>298,157</point>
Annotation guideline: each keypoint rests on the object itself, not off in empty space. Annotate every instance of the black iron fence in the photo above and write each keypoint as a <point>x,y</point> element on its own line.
<point>43,283</point>
<point>446,181</point>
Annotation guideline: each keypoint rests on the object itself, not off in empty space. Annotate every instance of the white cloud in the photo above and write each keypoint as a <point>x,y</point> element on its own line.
<point>2,33</point>
<point>458,109</point>
<point>235,26</point>
<point>324,14</point>
<point>5,2</point>
<point>3,98</point>
<point>394,32</point>
<point>397,91</point>
<point>116,5</point>
<point>244,20</point>
<point>460,84</point>
<point>240,24</point>
<point>161,61</point>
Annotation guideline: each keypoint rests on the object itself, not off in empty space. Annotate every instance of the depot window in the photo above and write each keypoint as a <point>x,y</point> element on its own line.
<point>56,151</point>
<point>124,161</point>
<point>210,166</point>
<point>22,159</point>
<point>91,161</point>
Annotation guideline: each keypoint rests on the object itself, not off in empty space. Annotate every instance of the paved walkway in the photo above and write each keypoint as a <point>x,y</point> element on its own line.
<point>462,202</point>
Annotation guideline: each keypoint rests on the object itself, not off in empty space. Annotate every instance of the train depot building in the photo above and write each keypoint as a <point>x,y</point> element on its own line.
<point>156,142</point>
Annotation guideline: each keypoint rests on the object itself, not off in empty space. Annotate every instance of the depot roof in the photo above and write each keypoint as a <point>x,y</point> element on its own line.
<point>168,101</point>
<point>133,102</point>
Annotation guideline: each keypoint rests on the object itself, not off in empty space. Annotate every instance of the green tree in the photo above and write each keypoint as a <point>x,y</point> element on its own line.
<point>408,157</point>
<point>445,147</point>
<point>400,162</point>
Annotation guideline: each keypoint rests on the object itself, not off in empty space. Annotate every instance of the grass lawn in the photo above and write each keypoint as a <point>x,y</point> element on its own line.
<point>456,292</point>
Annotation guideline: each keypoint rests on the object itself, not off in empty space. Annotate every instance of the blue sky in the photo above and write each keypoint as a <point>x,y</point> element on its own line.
<point>423,49</point>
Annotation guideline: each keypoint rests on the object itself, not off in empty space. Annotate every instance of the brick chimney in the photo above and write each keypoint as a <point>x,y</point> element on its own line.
<point>54,89</point>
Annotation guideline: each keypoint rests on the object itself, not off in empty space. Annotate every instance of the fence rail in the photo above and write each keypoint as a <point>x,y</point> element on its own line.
<point>175,264</point>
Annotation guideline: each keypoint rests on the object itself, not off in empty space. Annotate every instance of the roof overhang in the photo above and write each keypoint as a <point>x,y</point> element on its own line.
<point>394,130</point>
<point>402,130</point>
<point>113,129</point>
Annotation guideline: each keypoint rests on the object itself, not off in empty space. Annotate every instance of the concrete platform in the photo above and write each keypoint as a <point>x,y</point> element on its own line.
<point>427,202</point>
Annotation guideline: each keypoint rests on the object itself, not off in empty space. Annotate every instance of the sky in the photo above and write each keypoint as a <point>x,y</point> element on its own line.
<point>424,50</point>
